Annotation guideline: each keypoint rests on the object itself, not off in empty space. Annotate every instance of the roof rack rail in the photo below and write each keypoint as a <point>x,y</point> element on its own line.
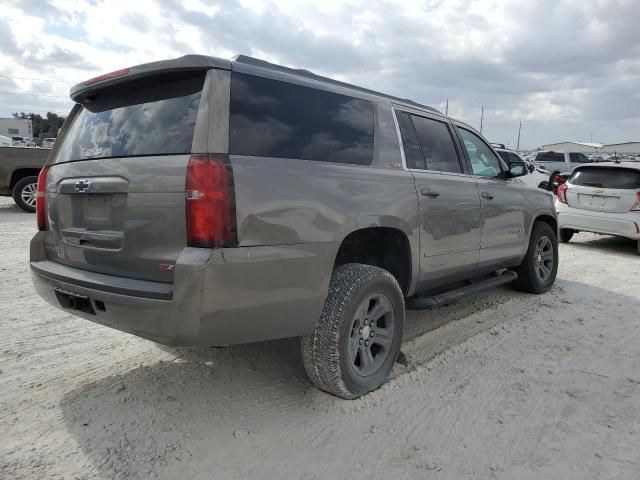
<point>248,60</point>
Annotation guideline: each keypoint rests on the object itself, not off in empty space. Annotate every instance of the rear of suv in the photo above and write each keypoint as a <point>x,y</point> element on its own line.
<point>201,201</point>
<point>559,162</point>
<point>601,198</point>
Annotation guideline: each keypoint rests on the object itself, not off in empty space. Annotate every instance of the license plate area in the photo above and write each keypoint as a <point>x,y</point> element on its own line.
<point>596,201</point>
<point>74,301</point>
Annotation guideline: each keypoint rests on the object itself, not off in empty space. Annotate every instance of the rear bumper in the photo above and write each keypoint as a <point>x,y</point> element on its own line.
<point>619,224</point>
<point>218,297</point>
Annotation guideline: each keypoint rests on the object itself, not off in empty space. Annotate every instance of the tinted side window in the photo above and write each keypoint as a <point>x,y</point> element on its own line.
<point>504,155</point>
<point>578,158</point>
<point>437,145</point>
<point>550,157</point>
<point>412,152</point>
<point>484,162</point>
<point>269,118</point>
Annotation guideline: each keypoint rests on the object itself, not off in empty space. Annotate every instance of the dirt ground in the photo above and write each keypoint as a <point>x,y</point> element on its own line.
<point>501,385</point>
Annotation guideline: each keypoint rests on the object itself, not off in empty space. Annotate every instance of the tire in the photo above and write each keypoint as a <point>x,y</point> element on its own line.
<point>531,276</point>
<point>638,247</point>
<point>566,234</point>
<point>24,193</point>
<point>333,356</point>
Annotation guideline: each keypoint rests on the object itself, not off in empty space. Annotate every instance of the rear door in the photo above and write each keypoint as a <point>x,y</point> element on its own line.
<point>551,161</point>
<point>447,197</point>
<point>604,189</point>
<point>116,188</point>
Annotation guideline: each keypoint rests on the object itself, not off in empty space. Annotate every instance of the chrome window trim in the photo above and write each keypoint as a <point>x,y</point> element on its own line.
<point>400,144</point>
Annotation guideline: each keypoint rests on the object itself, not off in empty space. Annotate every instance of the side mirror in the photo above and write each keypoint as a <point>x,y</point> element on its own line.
<point>532,168</point>
<point>517,169</point>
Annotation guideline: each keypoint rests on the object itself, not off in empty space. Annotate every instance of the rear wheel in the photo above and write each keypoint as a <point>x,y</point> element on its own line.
<point>358,336</point>
<point>538,270</point>
<point>566,234</point>
<point>24,193</point>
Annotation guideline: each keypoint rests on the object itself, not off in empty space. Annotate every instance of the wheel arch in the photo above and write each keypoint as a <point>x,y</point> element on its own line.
<point>21,173</point>
<point>381,246</point>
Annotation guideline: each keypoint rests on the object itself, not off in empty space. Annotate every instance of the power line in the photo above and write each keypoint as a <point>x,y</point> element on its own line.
<point>34,94</point>
<point>17,108</point>
<point>37,79</point>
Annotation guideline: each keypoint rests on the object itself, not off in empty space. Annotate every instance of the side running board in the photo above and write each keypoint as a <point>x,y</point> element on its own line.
<point>424,303</point>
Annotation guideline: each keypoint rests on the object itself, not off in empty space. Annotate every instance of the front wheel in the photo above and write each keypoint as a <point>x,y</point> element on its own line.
<point>24,193</point>
<point>538,270</point>
<point>358,336</point>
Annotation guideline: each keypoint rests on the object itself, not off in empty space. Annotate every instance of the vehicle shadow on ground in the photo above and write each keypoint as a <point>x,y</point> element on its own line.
<point>210,396</point>
<point>606,244</point>
<point>172,416</point>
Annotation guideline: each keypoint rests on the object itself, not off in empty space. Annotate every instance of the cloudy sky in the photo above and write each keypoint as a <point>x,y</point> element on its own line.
<point>569,70</point>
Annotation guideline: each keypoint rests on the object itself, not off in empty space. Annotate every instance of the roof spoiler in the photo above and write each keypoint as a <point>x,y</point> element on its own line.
<point>79,92</point>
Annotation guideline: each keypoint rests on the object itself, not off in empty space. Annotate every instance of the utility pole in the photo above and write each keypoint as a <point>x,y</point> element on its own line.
<point>519,129</point>
<point>481,117</point>
<point>446,109</point>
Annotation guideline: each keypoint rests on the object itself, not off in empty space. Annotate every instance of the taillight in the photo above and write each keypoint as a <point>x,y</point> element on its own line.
<point>106,76</point>
<point>636,206</point>
<point>41,199</point>
<point>210,202</point>
<point>562,193</point>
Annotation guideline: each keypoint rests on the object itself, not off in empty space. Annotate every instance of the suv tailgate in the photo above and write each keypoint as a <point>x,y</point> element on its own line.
<point>115,192</point>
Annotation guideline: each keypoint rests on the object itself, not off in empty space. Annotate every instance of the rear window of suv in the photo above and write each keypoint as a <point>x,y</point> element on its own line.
<point>144,117</point>
<point>270,118</point>
<point>550,157</point>
<point>602,177</point>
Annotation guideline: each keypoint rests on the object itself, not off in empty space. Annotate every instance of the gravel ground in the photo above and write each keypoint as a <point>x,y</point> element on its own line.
<point>501,385</point>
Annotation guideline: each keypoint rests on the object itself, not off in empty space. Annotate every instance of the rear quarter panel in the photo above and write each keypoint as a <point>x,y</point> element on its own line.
<point>16,158</point>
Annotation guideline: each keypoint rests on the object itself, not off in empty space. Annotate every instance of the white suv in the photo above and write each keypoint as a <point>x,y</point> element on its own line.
<point>601,198</point>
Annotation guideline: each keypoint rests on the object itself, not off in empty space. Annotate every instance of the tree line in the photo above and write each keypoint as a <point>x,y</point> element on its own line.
<point>46,126</point>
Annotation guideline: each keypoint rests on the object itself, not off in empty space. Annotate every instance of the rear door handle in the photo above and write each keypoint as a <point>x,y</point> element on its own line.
<point>427,192</point>
<point>487,195</point>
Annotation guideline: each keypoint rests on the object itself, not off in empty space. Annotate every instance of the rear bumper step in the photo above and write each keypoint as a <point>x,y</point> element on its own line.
<point>424,303</point>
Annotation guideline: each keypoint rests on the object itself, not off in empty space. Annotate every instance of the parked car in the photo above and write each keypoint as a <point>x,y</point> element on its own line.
<point>19,168</point>
<point>556,162</point>
<point>18,141</point>
<point>5,141</point>
<point>601,198</point>
<point>48,142</point>
<point>534,177</point>
<point>236,201</point>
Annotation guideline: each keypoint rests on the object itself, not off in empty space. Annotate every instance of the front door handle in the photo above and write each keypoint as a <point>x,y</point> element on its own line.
<point>487,195</point>
<point>427,192</point>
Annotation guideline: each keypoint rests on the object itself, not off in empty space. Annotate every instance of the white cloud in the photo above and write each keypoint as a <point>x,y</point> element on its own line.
<point>562,67</point>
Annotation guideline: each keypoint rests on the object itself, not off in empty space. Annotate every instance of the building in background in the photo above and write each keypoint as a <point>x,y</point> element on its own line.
<point>16,126</point>
<point>581,147</point>
<point>626,147</point>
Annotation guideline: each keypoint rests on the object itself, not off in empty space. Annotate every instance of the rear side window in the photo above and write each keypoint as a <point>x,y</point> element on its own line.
<point>550,157</point>
<point>437,145</point>
<point>601,177</point>
<point>578,158</point>
<point>412,152</point>
<point>269,118</point>
<point>144,117</point>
